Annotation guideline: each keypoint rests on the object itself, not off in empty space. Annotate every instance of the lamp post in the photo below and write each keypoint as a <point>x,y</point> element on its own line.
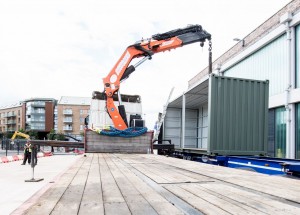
<point>240,40</point>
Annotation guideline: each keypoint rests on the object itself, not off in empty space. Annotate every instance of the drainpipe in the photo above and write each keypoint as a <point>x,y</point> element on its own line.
<point>285,19</point>
<point>183,122</point>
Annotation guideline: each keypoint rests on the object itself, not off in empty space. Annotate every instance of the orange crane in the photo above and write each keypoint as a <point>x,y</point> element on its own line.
<point>146,48</point>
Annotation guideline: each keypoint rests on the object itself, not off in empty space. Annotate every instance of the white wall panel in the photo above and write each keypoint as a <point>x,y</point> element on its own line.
<point>268,63</point>
<point>172,126</point>
<point>191,120</point>
<point>203,127</point>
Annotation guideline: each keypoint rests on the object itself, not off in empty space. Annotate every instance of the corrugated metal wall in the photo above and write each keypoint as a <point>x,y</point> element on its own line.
<point>238,113</point>
<point>297,56</point>
<point>268,63</point>
<point>191,131</point>
<point>173,123</point>
<point>172,126</point>
<point>203,127</point>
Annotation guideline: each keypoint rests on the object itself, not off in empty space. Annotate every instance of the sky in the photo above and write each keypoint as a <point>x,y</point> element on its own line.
<point>54,48</point>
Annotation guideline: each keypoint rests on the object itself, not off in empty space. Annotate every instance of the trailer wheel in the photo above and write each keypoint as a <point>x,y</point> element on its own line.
<point>204,158</point>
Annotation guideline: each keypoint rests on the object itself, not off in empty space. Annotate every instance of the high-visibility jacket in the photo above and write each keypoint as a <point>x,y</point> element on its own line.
<point>27,146</point>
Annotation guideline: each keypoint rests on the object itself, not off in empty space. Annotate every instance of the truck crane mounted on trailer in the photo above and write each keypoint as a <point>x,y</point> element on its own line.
<point>146,48</point>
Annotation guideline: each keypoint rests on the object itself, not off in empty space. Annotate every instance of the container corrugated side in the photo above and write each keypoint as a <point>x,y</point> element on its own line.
<point>238,111</point>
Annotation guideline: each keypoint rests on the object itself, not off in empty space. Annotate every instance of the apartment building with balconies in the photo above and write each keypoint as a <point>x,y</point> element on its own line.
<point>71,112</point>
<point>39,114</point>
<point>12,117</point>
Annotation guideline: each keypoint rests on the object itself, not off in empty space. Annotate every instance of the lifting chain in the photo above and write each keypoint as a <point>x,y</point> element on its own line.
<point>209,57</point>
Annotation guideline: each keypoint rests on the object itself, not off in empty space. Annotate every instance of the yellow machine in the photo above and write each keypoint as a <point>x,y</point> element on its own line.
<point>18,133</point>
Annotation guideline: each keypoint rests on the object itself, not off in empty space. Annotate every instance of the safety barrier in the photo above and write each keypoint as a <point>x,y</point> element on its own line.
<point>11,158</point>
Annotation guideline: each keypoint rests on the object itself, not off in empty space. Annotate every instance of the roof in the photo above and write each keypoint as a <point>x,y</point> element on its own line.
<point>11,105</point>
<point>39,99</point>
<point>72,100</point>
<point>194,97</point>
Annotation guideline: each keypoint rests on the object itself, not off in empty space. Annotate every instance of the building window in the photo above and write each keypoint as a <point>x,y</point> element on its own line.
<point>280,132</point>
<point>81,120</point>
<point>83,111</point>
<point>67,111</point>
<point>81,127</point>
<point>297,131</point>
<point>297,56</point>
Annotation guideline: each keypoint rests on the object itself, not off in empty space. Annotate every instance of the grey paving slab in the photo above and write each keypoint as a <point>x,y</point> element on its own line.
<point>15,191</point>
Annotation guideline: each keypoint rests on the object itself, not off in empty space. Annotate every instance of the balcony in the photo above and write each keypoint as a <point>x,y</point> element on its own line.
<point>10,122</point>
<point>10,130</point>
<point>68,120</point>
<point>67,128</point>
<point>35,112</point>
<point>67,112</point>
<point>37,104</point>
<point>10,115</point>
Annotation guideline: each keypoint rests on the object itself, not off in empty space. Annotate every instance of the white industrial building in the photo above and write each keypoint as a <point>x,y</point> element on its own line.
<point>270,52</point>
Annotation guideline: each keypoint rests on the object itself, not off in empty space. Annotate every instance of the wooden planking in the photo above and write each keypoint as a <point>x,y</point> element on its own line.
<point>112,197</point>
<point>251,180</point>
<point>134,159</point>
<point>197,177</point>
<point>227,201</point>
<point>92,202</point>
<point>263,203</point>
<point>135,201</point>
<point>275,188</point>
<point>159,203</point>
<point>158,178</point>
<point>49,199</point>
<point>200,204</point>
<point>109,184</point>
<point>70,201</point>
<point>164,172</point>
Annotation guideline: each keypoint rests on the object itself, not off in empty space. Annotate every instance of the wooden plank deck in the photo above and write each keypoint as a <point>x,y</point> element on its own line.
<point>152,184</point>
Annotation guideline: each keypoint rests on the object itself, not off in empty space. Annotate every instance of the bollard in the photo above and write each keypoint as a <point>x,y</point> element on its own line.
<point>33,165</point>
<point>18,145</point>
<point>6,146</point>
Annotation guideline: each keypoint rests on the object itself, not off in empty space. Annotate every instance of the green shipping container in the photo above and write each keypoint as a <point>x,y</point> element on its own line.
<point>237,116</point>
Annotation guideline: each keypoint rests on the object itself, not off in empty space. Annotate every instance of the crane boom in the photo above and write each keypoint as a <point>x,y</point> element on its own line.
<point>18,133</point>
<point>145,48</point>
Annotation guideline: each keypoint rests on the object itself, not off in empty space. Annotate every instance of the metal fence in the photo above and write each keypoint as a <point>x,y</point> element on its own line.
<point>17,146</point>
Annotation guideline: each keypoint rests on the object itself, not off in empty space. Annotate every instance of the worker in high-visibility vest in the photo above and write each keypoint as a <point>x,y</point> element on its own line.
<point>27,152</point>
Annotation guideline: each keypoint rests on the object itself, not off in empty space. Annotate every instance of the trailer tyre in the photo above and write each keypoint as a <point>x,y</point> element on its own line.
<point>204,158</point>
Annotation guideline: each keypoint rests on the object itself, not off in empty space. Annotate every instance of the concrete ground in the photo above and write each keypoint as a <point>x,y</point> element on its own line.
<point>16,194</point>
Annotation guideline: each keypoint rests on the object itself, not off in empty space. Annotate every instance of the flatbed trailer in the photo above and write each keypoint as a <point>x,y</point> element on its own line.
<point>261,164</point>
<point>101,183</point>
